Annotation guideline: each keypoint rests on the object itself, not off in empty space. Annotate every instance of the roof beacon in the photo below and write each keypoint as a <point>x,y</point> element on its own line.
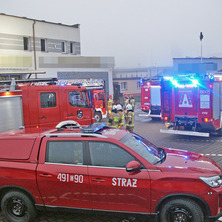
<point>93,127</point>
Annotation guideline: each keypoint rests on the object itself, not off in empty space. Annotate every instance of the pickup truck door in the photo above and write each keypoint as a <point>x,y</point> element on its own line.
<point>62,177</point>
<point>112,187</point>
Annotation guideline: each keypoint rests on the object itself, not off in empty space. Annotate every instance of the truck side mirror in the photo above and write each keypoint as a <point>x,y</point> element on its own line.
<point>133,166</point>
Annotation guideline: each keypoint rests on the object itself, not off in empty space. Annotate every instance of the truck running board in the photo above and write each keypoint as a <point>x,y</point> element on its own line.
<point>182,132</point>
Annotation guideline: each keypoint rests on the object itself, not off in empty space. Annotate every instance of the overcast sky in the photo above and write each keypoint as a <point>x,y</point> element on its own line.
<point>138,33</point>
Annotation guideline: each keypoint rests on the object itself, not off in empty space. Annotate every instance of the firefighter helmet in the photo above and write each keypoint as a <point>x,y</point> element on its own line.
<point>119,107</point>
<point>114,107</point>
<point>129,107</point>
<point>110,96</point>
<point>131,96</point>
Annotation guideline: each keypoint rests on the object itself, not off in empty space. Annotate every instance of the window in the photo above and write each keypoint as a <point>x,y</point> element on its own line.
<point>109,155</point>
<point>67,152</point>
<point>138,84</point>
<point>72,47</point>
<point>143,147</point>
<point>63,46</point>
<point>77,98</point>
<point>48,100</point>
<point>123,85</point>
<point>101,96</point>
<point>26,43</point>
<point>43,45</point>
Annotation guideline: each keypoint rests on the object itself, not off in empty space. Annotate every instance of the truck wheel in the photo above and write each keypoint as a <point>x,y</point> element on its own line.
<point>183,210</point>
<point>97,116</point>
<point>17,207</point>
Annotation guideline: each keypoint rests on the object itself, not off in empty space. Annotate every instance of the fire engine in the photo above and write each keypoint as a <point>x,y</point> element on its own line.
<point>40,103</point>
<point>150,97</point>
<point>191,104</point>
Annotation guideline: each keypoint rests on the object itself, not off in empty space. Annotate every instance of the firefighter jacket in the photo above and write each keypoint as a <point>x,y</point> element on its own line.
<point>114,119</point>
<point>129,120</point>
<point>121,118</point>
<point>126,102</point>
<point>110,104</point>
<point>132,102</point>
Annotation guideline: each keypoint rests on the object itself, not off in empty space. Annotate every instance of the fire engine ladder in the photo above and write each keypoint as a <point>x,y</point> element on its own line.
<point>84,82</point>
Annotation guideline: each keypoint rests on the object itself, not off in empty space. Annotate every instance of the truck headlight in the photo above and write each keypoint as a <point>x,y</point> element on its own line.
<point>214,181</point>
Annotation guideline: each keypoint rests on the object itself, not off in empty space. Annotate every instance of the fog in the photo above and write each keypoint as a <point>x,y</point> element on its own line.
<point>138,33</point>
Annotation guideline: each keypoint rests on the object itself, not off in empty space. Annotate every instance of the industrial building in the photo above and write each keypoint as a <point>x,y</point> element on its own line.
<point>47,49</point>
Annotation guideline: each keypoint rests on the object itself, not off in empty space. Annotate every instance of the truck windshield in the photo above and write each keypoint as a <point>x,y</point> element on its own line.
<point>143,147</point>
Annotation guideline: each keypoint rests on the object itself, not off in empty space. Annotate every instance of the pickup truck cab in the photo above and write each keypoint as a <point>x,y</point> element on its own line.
<point>102,168</point>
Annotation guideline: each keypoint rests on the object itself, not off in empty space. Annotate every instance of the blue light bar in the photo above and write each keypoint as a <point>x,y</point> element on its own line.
<point>174,82</point>
<point>93,127</point>
<point>195,82</point>
<point>77,84</point>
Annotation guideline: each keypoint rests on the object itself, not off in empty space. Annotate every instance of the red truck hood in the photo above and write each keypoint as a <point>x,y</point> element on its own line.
<point>189,162</point>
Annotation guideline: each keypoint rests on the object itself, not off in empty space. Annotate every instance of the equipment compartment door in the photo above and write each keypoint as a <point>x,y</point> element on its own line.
<point>155,96</point>
<point>186,101</point>
<point>11,113</point>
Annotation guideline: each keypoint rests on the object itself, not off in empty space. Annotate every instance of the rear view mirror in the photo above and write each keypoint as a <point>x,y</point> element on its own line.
<point>133,166</point>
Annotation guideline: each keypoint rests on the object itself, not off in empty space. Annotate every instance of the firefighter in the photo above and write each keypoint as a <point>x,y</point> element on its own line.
<point>129,118</point>
<point>132,101</point>
<point>113,118</point>
<point>110,104</point>
<point>121,115</point>
<point>126,101</point>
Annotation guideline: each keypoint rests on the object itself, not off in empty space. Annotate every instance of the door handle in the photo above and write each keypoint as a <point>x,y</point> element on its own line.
<point>42,117</point>
<point>98,180</point>
<point>45,175</point>
<point>71,114</point>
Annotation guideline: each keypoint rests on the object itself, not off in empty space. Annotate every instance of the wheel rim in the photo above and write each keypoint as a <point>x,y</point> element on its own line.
<point>16,207</point>
<point>97,118</point>
<point>179,214</point>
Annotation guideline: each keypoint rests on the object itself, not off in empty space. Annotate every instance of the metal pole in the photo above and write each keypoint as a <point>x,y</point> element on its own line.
<point>201,58</point>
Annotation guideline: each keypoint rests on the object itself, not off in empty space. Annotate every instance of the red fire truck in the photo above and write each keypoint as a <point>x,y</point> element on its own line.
<point>150,97</point>
<point>45,104</point>
<point>191,104</point>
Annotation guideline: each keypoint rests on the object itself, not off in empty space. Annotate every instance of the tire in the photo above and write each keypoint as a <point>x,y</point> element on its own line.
<point>97,116</point>
<point>17,207</point>
<point>184,210</point>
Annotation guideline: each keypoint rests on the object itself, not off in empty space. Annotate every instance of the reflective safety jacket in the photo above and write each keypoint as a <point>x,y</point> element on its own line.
<point>126,103</point>
<point>113,119</point>
<point>110,103</point>
<point>132,102</point>
<point>121,118</point>
<point>129,118</point>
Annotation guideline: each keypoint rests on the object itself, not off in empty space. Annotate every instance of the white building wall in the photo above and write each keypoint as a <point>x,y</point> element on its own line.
<point>53,60</point>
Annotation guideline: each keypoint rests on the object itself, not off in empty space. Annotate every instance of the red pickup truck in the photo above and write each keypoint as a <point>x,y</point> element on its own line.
<point>103,168</point>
